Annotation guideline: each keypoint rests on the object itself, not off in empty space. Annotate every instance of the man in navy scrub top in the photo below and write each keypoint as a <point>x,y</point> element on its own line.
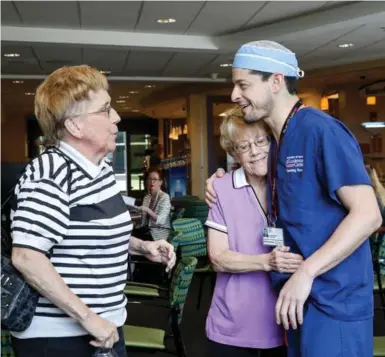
<point>321,205</point>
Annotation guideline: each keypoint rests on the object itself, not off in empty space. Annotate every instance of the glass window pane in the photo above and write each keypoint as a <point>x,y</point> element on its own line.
<point>138,145</point>
<point>119,161</point>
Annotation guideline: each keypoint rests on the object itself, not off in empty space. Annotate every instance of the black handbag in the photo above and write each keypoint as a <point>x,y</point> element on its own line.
<point>18,299</point>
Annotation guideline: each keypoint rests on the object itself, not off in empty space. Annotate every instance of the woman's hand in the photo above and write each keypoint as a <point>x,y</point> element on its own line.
<point>282,261</point>
<point>160,251</point>
<point>143,209</point>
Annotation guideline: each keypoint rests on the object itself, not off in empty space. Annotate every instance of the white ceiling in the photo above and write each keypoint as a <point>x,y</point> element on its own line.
<point>123,36</point>
<point>123,32</point>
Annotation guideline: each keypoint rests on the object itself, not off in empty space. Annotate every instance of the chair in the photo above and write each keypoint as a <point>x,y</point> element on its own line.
<point>379,346</point>
<point>198,210</point>
<point>149,338</point>
<point>147,290</point>
<point>377,244</point>
<point>192,243</point>
<point>6,348</point>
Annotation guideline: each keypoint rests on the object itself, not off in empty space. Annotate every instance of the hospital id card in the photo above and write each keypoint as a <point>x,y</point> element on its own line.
<point>273,237</point>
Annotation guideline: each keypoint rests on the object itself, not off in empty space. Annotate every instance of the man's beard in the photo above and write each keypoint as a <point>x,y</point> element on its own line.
<point>253,116</point>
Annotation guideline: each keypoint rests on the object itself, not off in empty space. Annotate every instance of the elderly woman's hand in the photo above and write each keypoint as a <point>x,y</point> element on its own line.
<point>281,260</point>
<point>210,195</point>
<point>161,251</point>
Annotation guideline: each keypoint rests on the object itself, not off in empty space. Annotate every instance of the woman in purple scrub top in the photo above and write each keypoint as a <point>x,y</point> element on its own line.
<point>241,321</point>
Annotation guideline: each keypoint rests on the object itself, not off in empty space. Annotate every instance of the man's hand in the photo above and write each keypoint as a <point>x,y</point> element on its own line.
<point>289,307</point>
<point>284,262</point>
<point>105,333</point>
<point>161,251</point>
<point>210,195</point>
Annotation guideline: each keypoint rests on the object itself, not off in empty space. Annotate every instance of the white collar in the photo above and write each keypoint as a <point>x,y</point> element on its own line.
<point>239,178</point>
<point>81,161</point>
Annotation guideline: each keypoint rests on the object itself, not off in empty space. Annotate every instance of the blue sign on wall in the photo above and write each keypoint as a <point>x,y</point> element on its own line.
<point>178,181</point>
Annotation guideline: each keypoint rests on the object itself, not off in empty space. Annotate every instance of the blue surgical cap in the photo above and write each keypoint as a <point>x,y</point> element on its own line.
<point>268,56</point>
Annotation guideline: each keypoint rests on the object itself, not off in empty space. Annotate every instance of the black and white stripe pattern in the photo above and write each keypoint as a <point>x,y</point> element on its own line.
<point>84,227</point>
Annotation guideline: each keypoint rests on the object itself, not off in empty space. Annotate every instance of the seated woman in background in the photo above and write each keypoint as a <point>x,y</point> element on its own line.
<point>156,208</point>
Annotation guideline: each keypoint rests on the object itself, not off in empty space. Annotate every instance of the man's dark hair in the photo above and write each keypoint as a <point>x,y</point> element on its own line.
<point>291,82</point>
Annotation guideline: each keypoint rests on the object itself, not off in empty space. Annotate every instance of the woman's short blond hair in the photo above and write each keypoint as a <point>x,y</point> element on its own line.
<point>59,93</point>
<point>232,125</point>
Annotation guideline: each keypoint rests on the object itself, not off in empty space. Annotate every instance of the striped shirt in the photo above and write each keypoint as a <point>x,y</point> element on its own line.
<point>84,228</point>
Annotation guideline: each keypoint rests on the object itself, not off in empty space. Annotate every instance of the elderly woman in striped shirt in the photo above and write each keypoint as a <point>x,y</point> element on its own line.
<point>70,227</point>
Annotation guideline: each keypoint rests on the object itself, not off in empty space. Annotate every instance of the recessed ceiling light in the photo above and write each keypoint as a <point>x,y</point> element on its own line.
<point>150,86</point>
<point>105,72</point>
<point>345,45</point>
<point>11,54</point>
<point>133,92</point>
<point>135,110</point>
<point>29,93</point>
<point>166,21</point>
<point>17,82</point>
<point>124,97</point>
<point>120,101</point>
<point>226,65</point>
<point>370,124</point>
<point>127,107</point>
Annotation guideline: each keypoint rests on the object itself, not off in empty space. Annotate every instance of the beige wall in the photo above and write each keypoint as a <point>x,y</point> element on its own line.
<point>13,138</point>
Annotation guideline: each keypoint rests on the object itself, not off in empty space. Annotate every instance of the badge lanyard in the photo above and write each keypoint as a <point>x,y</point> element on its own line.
<point>274,166</point>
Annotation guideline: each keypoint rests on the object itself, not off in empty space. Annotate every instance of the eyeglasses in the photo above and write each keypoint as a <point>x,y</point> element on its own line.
<point>153,180</point>
<point>244,146</point>
<point>106,110</point>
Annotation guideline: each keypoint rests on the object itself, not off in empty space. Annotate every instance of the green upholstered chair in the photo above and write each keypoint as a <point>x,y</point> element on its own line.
<point>146,290</point>
<point>377,244</point>
<point>199,211</point>
<point>192,243</point>
<point>6,348</point>
<point>379,346</point>
<point>149,338</point>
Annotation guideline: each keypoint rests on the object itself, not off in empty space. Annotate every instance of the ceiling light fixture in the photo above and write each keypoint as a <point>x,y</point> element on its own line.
<point>345,45</point>
<point>135,110</point>
<point>375,124</point>
<point>150,86</point>
<point>133,92</point>
<point>371,100</point>
<point>11,54</point>
<point>29,93</point>
<point>124,97</point>
<point>120,101</point>
<point>17,82</point>
<point>166,21</point>
<point>226,65</point>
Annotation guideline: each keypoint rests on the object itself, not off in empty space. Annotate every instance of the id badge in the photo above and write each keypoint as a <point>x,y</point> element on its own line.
<point>273,237</point>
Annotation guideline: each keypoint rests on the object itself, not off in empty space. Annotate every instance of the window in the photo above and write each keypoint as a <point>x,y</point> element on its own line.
<point>119,161</point>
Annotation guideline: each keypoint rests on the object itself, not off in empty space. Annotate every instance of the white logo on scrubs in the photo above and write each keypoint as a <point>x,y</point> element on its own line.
<point>294,164</point>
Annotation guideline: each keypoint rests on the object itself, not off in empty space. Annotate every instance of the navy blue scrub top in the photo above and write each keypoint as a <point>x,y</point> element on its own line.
<point>319,155</point>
